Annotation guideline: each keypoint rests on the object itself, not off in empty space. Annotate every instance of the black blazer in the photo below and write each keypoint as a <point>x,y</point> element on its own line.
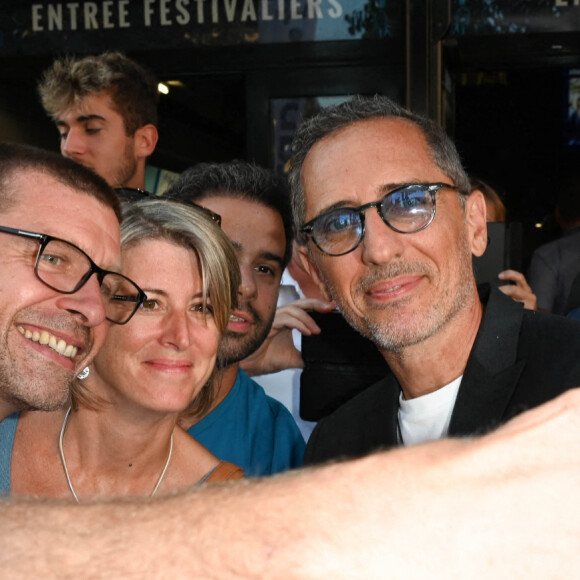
<point>520,359</point>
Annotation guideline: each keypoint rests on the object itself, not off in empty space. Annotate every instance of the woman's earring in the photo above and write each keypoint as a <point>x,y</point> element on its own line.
<point>84,373</point>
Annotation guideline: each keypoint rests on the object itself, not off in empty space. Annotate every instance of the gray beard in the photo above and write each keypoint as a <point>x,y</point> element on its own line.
<point>31,389</point>
<point>402,334</point>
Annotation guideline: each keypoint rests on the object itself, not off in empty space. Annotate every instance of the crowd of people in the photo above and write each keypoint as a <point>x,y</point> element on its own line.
<point>118,388</point>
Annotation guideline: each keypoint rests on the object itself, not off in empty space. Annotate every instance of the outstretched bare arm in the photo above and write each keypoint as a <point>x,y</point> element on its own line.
<point>500,506</point>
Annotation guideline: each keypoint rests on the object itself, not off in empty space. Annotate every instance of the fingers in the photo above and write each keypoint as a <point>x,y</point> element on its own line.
<point>312,304</point>
<point>517,277</point>
<point>520,290</point>
<point>276,354</point>
<point>294,315</point>
<point>528,299</point>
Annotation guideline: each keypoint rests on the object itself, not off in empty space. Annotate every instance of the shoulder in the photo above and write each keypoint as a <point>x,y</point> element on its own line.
<point>552,335</point>
<point>366,404</point>
<point>544,328</point>
<point>266,410</point>
<point>225,471</point>
<point>256,393</point>
<point>550,345</point>
<point>361,425</point>
<point>8,427</point>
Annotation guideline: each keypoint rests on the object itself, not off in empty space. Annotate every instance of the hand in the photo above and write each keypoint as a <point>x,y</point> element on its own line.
<point>278,351</point>
<point>519,291</point>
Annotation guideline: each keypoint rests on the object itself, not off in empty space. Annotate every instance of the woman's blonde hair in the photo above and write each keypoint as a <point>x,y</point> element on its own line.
<point>189,227</point>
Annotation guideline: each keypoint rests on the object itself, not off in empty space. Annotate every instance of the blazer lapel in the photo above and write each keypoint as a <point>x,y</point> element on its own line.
<point>493,371</point>
<point>483,399</point>
<point>384,432</point>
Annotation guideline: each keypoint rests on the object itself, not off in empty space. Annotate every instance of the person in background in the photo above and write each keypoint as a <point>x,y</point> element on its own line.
<point>120,435</point>
<point>298,293</point>
<point>517,287</point>
<point>494,205</point>
<point>243,424</point>
<point>554,265</point>
<point>105,109</point>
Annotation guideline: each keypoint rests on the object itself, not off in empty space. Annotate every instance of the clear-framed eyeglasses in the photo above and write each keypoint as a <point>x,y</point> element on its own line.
<point>63,267</point>
<point>405,210</point>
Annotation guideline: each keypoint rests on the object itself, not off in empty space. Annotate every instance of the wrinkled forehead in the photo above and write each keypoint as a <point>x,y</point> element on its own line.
<point>356,163</point>
<point>62,211</point>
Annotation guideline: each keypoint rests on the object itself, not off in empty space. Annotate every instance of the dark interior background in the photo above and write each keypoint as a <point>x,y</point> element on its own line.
<point>510,98</point>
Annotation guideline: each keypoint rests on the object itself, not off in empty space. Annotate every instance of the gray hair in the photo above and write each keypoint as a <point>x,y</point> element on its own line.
<point>359,108</point>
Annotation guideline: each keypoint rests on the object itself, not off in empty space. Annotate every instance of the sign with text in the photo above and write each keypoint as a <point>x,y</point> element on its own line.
<point>34,27</point>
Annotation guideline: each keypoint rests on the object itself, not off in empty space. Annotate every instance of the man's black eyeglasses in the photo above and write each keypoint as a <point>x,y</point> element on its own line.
<point>406,210</point>
<point>136,194</point>
<point>65,268</point>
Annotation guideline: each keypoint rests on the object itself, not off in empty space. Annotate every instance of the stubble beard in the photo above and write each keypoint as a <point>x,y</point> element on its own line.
<point>398,330</point>
<point>127,167</point>
<point>29,380</point>
<point>28,388</point>
<point>235,347</point>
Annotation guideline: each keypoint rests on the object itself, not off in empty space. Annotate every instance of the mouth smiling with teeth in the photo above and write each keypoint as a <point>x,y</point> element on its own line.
<point>45,338</point>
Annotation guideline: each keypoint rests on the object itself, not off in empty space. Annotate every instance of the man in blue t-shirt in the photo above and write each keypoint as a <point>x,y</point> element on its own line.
<point>244,425</point>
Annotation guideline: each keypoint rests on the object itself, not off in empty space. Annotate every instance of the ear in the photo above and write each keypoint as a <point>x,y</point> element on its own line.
<point>145,138</point>
<point>310,267</point>
<point>475,214</point>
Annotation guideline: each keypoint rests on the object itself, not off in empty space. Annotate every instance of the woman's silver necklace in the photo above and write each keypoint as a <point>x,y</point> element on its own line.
<point>70,485</point>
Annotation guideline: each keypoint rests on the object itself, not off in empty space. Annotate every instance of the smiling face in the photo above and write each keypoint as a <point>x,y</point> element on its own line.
<point>165,355</point>
<point>33,374</point>
<point>397,289</point>
<point>93,134</point>
<point>257,234</point>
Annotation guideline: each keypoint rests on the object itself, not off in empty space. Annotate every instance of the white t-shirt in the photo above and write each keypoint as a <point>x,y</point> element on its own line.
<point>427,418</point>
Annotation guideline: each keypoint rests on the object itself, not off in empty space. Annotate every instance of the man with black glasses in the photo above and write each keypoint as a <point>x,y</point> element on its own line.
<point>58,220</point>
<point>391,227</point>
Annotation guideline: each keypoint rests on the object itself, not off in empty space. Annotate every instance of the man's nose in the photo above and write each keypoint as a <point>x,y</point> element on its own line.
<point>248,288</point>
<point>87,304</point>
<point>73,144</point>
<point>380,243</point>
